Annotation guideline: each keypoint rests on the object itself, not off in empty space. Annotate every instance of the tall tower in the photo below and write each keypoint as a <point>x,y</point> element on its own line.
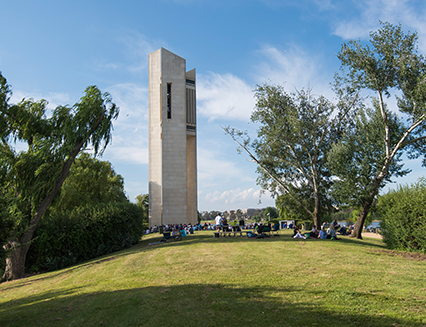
<point>172,140</point>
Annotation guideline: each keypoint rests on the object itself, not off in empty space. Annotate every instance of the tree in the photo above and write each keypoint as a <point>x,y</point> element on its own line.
<point>360,154</point>
<point>32,178</point>
<point>289,208</point>
<point>295,135</point>
<point>389,63</point>
<point>270,213</point>
<point>90,181</point>
<point>142,201</point>
<point>6,225</point>
<point>239,213</point>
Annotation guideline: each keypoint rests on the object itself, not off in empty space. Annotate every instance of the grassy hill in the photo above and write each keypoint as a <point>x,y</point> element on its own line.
<point>202,281</point>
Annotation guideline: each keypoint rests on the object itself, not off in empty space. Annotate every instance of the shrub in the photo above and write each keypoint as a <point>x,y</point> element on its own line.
<point>66,238</point>
<point>403,215</point>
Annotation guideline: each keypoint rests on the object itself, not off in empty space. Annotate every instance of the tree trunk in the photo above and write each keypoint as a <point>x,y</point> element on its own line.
<point>15,264</point>
<point>317,211</point>
<point>366,206</point>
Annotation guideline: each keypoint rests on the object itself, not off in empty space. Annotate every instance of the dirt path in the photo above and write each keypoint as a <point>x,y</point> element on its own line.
<point>372,235</point>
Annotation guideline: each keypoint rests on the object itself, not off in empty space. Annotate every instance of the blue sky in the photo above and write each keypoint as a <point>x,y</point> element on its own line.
<point>55,49</point>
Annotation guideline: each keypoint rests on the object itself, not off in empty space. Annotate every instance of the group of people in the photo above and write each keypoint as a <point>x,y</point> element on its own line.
<point>222,222</point>
<point>327,231</point>
<point>188,228</point>
<point>323,233</point>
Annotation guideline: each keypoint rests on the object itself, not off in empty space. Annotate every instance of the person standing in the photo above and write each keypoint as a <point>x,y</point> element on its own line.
<point>218,220</point>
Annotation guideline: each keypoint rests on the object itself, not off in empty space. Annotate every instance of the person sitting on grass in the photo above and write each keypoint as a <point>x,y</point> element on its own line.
<point>314,232</point>
<point>331,230</point>
<point>298,234</point>
<point>323,234</point>
<point>176,234</point>
<point>333,235</point>
<point>296,230</point>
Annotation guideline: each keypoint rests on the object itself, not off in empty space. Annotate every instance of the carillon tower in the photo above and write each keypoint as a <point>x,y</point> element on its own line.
<point>172,140</point>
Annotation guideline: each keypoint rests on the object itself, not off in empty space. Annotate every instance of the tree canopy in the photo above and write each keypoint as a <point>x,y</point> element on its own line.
<point>295,135</point>
<point>90,181</point>
<point>31,178</point>
<point>388,64</point>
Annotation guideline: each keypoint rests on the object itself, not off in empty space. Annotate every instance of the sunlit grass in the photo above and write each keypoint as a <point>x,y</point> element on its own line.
<point>203,281</point>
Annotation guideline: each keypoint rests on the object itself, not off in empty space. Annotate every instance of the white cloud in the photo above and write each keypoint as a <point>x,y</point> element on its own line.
<point>324,4</point>
<point>132,100</point>
<point>135,49</point>
<point>409,13</point>
<point>294,68</point>
<point>214,168</point>
<point>53,99</point>
<point>224,97</point>
<point>238,196</point>
<point>138,47</point>
<point>130,135</point>
<point>132,153</point>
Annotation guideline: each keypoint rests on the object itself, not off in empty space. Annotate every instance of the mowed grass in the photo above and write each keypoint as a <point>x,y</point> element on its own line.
<point>203,281</point>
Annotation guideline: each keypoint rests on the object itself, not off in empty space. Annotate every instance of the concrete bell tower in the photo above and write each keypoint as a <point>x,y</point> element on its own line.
<point>172,140</point>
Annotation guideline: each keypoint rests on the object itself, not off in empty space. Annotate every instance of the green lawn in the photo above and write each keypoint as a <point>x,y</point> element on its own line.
<point>203,281</point>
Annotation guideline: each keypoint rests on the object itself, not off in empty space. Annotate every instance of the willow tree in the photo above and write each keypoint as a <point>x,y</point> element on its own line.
<point>390,63</point>
<point>295,135</point>
<point>32,178</point>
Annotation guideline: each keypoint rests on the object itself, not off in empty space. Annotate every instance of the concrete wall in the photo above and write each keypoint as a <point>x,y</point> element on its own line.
<point>155,143</point>
<point>172,161</point>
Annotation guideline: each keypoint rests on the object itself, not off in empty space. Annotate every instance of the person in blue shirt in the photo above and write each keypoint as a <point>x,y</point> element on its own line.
<point>323,233</point>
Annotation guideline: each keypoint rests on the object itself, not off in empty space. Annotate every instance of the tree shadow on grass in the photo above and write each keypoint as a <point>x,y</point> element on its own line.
<point>203,305</point>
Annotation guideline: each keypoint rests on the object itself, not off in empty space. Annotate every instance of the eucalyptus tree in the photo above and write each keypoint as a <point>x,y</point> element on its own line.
<point>295,135</point>
<point>389,63</point>
<point>31,178</point>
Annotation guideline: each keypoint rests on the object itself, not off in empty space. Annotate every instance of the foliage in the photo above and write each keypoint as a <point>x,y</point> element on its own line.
<point>344,214</point>
<point>142,201</point>
<point>90,181</point>
<point>289,208</point>
<point>403,214</point>
<point>66,238</point>
<point>359,157</point>
<point>295,135</point>
<point>33,177</point>
<point>389,63</point>
<point>6,225</point>
<point>270,213</point>
<point>257,218</point>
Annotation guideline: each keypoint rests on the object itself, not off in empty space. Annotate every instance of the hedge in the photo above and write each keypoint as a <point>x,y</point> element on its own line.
<point>84,233</point>
<point>403,214</point>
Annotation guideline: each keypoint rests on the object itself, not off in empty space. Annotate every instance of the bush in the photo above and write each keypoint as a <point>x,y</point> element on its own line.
<point>403,215</point>
<point>67,238</point>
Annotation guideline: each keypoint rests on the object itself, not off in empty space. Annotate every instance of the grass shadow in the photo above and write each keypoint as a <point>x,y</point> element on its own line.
<point>196,305</point>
